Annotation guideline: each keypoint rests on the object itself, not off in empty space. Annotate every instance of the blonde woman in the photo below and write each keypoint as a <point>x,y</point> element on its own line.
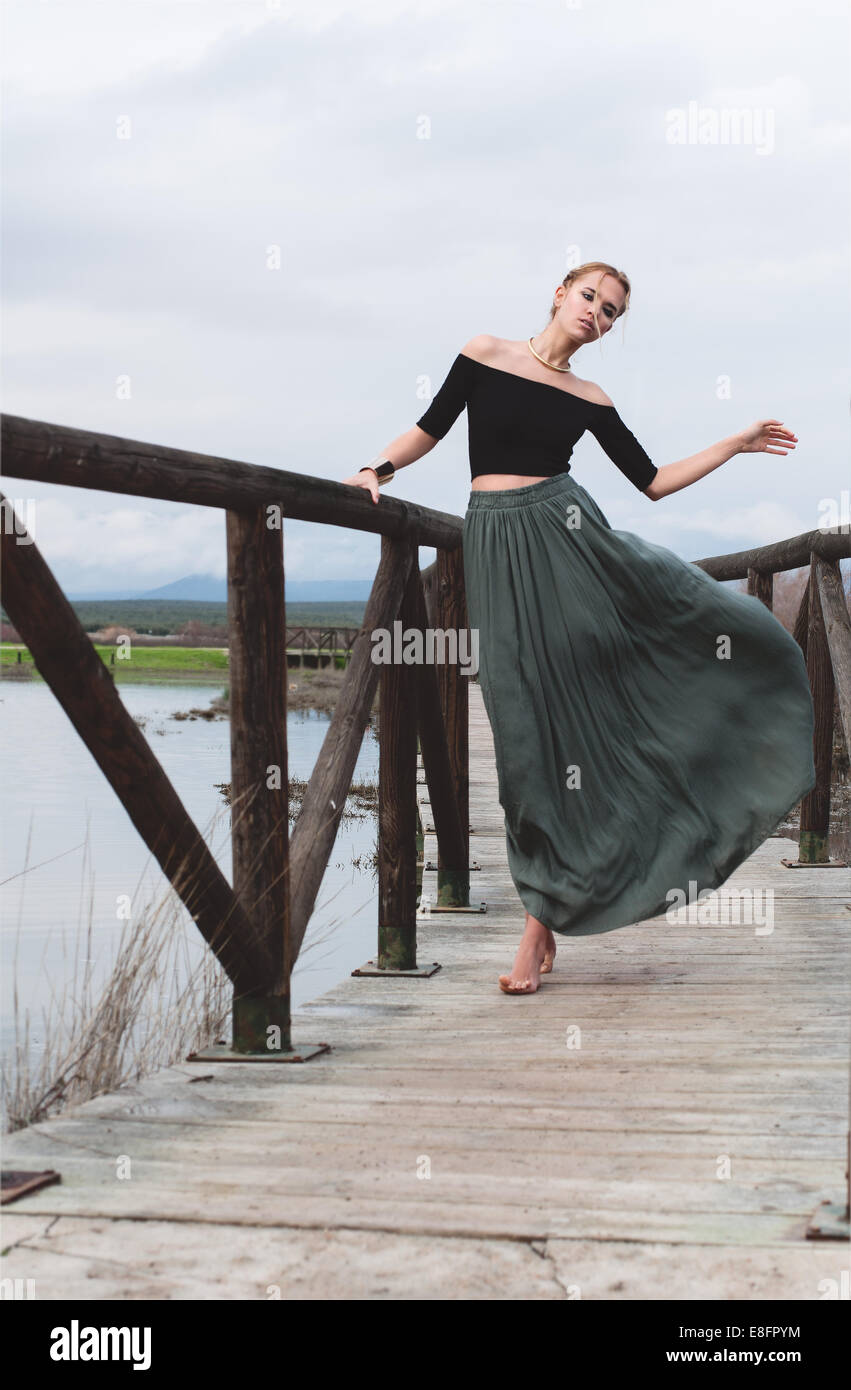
<point>650,726</point>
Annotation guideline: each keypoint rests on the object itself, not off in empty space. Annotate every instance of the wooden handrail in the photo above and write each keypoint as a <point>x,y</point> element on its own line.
<point>832,543</point>
<point>46,453</point>
<point>258,927</point>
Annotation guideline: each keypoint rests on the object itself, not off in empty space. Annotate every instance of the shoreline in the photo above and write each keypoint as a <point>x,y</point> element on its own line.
<point>308,687</point>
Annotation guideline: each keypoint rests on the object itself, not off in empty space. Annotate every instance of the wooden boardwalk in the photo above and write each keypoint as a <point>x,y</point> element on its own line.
<point>453,1144</point>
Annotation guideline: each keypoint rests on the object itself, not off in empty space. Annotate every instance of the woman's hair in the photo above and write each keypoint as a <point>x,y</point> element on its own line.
<point>582,270</point>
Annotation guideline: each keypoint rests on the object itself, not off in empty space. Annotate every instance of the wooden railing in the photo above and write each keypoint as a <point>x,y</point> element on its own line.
<point>823,631</point>
<point>256,927</point>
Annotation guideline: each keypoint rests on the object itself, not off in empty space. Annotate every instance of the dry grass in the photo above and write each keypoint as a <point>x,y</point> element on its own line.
<point>162,996</point>
<point>154,1004</point>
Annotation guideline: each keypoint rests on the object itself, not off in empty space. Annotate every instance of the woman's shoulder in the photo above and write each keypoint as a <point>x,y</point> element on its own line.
<point>592,392</point>
<point>483,348</point>
<point>508,356</point>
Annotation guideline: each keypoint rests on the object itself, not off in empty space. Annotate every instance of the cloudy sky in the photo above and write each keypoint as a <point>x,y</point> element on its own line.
<point>426,172</point>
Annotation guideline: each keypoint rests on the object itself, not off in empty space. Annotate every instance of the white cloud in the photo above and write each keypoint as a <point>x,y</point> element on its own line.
<point>296,125</point>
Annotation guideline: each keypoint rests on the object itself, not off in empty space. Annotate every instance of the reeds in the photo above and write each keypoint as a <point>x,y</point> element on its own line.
<point>163,995</point>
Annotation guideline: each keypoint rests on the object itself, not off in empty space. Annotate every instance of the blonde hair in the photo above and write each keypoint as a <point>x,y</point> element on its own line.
<point>606,269</point>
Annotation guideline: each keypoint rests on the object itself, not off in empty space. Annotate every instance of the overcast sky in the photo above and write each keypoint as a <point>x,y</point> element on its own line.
<point>427,171</point>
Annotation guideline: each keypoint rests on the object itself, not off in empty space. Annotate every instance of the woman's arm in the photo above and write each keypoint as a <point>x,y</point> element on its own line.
<point>757,438</point>
<point>404,449</point>
<point>672,477</point>
<point>439,417</point>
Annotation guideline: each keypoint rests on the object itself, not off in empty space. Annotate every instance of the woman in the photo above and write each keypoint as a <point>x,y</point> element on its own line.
<point>651,727</point>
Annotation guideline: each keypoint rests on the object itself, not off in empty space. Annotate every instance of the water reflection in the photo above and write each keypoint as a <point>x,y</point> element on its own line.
<point>87,861</point>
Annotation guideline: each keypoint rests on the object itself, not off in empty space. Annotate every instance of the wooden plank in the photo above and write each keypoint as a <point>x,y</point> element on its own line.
<point>697,1042</point>
<point>343,1147</point>
<point>527,1218</point>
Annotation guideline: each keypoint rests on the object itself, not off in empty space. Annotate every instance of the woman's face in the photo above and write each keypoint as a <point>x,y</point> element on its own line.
<point>590,305</point>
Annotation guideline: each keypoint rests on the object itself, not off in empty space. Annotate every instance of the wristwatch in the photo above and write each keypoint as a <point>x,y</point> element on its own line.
<point>382,467</point>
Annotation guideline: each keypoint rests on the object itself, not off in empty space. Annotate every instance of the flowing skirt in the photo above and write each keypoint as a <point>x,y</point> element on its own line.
<point>651,726</point>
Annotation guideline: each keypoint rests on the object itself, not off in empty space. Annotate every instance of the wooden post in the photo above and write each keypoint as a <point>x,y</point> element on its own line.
<point>450,609</point>
<point>82,684</point>
<point>259,783</point>
<point>397,789</point>
<point>325,797</point>
<point>837,627</point>
<point>452,834</point>
<point>802,621</point>
<point>815,806</point>
<point>761,585</point>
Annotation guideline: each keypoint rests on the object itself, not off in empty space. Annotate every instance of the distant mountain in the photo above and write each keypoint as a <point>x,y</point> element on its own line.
<point>199,588</point>
<point>95,595</point>
<point>206,588</point>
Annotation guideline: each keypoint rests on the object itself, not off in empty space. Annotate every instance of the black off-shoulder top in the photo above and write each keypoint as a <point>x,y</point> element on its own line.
<point>517,425</point>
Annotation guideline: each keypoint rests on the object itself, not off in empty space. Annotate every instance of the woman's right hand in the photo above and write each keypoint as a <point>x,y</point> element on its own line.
<point>367,478</point>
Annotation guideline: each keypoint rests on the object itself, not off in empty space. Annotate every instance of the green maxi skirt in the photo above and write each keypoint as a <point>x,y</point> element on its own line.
<point>651,726</point>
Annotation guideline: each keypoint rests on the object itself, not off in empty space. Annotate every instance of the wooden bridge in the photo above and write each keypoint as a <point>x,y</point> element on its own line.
<point>670,1087</point>
<point>320,645</point>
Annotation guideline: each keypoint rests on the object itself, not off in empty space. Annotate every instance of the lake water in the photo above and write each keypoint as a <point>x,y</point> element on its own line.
<point>62,818</point>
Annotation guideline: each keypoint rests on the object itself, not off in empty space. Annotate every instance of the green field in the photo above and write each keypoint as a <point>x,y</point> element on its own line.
<point>144,663</point>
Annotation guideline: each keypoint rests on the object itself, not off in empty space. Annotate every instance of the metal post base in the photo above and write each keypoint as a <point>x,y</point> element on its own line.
<point>421,972</point>
<point>430,864</point>
<point>220,1052</point>
<point>423,913</point>
<point>829,1222</point>
<point>825,864</point>
<point>16,1183</point>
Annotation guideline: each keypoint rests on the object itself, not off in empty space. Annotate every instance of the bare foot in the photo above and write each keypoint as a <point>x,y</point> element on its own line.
<point>549,954</point>
<point>525,977</point>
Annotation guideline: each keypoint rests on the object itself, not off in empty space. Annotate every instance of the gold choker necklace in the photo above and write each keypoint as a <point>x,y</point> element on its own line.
<point>568,368</point>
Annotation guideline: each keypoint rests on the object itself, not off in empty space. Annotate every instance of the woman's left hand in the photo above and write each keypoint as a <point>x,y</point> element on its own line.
<point>760,436</point>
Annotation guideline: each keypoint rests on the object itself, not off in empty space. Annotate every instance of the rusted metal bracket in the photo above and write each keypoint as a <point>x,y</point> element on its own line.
<point>15,1184</point>
<point>430,866</point>
<point>220,1052</point>
<point>829,1222</point>
<point>802,864</point>
<point>373,971</point>
<point>423,913</point>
